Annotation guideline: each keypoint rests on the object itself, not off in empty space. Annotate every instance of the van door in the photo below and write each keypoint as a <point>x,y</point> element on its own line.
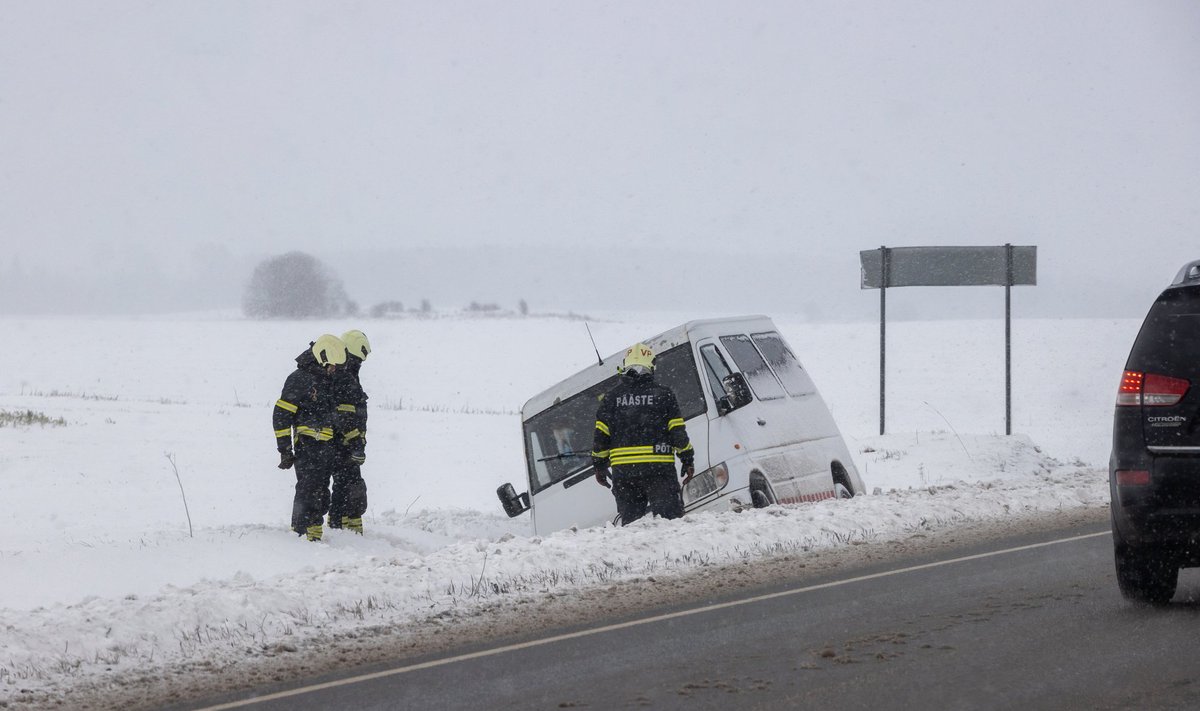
<point>754,429</point>
<point>724,436</point>
<point>816,441</point>
<point>782,433</point>
<point>811,416</point>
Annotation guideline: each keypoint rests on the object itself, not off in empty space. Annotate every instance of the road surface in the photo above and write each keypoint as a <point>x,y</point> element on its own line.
<point>1032,620</point>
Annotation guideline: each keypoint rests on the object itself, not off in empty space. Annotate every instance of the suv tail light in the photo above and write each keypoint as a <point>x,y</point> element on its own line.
<point>1150,389</point>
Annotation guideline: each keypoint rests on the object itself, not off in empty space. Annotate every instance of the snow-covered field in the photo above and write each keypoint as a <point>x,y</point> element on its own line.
<point>103,576</point>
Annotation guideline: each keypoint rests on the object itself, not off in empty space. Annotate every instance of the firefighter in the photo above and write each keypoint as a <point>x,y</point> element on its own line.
<point>304,421</point>
<point>349,500</point>
<point>639,433</point>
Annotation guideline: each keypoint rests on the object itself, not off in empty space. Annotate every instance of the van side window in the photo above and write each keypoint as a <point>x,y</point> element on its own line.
<point>758,375</point>
<point>676,369</point>
<point>784,363</point>
<point>716,369</point>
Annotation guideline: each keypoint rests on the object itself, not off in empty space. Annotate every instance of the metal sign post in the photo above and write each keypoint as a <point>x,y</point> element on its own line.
<point>1008,257</point>
<point>883,272</point>
<point>1005,266</point>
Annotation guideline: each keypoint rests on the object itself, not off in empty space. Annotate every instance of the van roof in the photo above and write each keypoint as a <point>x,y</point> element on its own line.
<point>593,374</point>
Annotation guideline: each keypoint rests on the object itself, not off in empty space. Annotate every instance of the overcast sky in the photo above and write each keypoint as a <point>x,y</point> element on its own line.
<point>162,134</point>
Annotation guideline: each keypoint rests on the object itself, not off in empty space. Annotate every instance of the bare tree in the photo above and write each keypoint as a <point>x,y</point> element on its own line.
<point>294,285</point>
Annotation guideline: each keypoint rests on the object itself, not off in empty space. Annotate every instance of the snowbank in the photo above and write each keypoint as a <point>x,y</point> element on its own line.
<point>103,578</point>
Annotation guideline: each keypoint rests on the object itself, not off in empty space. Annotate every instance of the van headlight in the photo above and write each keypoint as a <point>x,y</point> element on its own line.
<point>706,482</point>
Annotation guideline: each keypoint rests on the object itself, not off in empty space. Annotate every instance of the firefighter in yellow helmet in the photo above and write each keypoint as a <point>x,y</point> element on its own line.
<point>349,500</point>
<point>304,423</point>
<point>639,433</point>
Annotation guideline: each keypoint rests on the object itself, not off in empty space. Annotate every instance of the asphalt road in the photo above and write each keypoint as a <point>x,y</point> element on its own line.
<point>1031,622</point>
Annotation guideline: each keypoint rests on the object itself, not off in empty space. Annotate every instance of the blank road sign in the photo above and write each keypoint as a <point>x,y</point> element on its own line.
<point>949,266</point>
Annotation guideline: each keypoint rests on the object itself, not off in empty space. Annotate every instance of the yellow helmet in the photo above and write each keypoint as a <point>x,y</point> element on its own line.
<point>329,350</point>
<point>639,357</point>
<point>357,343</point>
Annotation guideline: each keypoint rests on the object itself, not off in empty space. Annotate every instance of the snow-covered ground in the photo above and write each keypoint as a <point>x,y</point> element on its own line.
<point>103,575</point>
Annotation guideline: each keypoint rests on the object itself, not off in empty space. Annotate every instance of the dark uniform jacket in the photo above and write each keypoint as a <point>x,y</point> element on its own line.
<point>639,429</point>
<point>306,406</point>
<point>351,423</point>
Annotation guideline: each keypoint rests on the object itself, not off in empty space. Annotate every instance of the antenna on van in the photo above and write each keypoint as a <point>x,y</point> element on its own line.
<point>589,330</point>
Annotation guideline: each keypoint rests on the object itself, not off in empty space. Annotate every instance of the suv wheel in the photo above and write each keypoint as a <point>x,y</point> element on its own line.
<point>1145,575</point>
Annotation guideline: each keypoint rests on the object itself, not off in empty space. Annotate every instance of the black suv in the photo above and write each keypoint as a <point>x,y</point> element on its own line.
<point>1154,470</point>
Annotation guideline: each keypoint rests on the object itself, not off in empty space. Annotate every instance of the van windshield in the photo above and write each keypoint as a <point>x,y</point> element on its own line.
<point>558,440</point>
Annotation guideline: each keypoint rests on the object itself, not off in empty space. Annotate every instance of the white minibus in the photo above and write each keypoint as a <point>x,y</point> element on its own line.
<point>762,433</point>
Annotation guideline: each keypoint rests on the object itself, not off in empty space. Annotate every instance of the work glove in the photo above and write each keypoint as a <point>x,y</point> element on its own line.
<point>602,477</point>
<point>286,459</point>
<point>358,458</point>
<point>689,471</point>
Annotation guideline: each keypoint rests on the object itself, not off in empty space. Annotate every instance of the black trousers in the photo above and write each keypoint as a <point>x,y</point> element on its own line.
<point>642,489</point>
<point>314,467</point>
<point>349,489</point>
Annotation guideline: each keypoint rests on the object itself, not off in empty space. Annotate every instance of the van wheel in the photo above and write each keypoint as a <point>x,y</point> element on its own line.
<point>841,482</point>
<point>759,496</point>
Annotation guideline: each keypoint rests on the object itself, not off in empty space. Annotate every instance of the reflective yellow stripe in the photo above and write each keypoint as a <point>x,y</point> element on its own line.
<point>323,435</point>
<point>283,433</point>
<point>285,405</point>
<point>685,449</point>
<point>677,422</point>
<point>601,455</point>
<point>640,449</point>
<point>347,408</point>
<point>644,459</point>
<point>602,427</point>
<point>350,435</point>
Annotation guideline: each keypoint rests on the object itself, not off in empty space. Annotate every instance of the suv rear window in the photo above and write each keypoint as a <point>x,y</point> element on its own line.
<point>1169,342</point>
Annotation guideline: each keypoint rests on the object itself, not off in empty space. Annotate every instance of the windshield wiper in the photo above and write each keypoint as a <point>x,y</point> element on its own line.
<point>565,455</point>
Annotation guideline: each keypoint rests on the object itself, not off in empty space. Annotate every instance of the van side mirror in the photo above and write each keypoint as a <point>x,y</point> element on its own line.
<point>738,394</point>
<point>514,504</point>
